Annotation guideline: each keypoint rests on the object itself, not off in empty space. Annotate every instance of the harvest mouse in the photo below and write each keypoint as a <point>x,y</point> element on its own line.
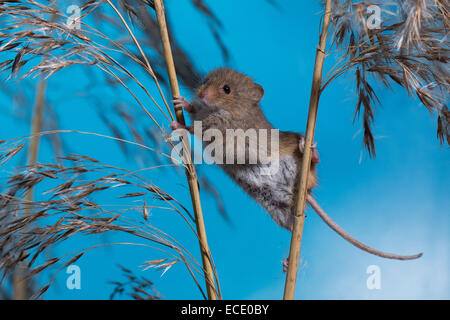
<point>228,99</point>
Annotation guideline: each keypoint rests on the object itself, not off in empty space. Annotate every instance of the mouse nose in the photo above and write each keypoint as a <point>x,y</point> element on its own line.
<point>204,94</point>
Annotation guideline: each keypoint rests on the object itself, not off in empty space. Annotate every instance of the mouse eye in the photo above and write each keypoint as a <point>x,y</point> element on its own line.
<point>226,89</point>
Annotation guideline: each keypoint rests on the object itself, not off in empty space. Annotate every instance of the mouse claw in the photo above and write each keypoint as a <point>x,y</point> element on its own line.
<point>176,125</point>
<point>315,155</point>
<point>285,264</point>
<point>314,152</point>
<point>181,102</point>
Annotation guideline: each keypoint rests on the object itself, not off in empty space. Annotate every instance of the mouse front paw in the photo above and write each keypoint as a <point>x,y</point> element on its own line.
<point>176,125</point>
<point>314,152</point>
<point>181,102</point>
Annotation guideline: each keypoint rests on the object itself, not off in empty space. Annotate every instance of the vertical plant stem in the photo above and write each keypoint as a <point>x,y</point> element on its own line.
<point>190,170</point>
<point>297,232</point>
<point>20,291</point>
<point>36,127</point>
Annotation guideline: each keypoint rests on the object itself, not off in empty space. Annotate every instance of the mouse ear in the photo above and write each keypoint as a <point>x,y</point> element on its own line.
<point>257,92</point>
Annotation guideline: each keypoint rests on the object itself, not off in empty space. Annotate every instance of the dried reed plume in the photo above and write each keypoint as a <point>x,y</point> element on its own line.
<point>27,33</point>
<point>69,209</point>
<point>409,47</point>
<point>140,287</point>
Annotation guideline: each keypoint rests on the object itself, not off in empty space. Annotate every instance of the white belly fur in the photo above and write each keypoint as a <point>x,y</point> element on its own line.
<point>274,192</point>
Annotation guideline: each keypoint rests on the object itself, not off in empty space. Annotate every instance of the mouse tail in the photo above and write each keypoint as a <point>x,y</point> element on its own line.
<point>333,225</point>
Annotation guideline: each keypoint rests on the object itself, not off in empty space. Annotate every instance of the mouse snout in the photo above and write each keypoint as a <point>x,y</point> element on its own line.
<point>204,95</point>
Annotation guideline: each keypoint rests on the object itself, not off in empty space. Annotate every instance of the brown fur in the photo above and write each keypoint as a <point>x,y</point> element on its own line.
<point>244,111</point>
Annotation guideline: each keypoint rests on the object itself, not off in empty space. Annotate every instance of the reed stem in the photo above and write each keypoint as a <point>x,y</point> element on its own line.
<point>190,170</point>
<point>297,232</point>
<point>20,291</point>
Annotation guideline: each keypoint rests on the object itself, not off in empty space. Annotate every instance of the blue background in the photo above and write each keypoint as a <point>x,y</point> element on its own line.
<point>397,203</point>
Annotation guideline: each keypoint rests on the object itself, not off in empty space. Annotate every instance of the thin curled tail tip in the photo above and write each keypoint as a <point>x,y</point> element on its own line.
<point>393,255</point>
<point>415,256</point>
<point>333,225</point>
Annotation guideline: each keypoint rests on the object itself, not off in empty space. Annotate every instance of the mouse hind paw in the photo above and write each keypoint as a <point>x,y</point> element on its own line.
<point>285,264</point>
<point>314,152</point>
<point>176,125</point>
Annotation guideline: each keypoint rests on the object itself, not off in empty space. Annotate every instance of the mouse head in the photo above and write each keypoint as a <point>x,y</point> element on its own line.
<point>226,88</point>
